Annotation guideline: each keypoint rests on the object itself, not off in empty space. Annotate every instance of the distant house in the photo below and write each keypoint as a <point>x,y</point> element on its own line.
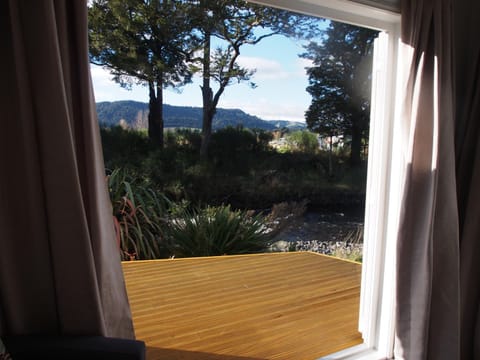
<point>338,142</point>
<point>279,143</point>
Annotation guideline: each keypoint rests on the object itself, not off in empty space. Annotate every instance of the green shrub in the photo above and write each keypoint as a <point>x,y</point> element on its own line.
<point>242,169</point>
<point>184,138</point>
<point>218,230</point>
<point>189,138</point>
<point>124,147</point>
<point>233,139</point>
<point>140,217</point>
<point>231,150</point>
<point>303,141</point>
<point>263,140</point>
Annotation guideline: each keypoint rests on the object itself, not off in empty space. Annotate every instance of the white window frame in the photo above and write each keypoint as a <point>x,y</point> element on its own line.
<point>385,173</point>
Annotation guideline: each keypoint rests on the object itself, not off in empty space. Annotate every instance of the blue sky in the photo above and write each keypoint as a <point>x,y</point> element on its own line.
<point>280,78</point>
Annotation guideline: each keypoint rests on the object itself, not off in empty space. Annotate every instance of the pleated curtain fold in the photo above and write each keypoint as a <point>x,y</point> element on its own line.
<point>60,271</point>
<point>437,312</point>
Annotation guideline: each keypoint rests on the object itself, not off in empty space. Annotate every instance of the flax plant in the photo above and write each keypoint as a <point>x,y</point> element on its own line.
<point>217,230</point>
<point>140,217</point>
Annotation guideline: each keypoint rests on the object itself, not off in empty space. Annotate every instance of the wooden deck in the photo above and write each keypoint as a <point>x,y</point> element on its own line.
<point>295,306</point>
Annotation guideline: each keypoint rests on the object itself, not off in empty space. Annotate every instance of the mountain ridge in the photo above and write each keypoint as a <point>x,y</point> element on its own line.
<point>135,114</point>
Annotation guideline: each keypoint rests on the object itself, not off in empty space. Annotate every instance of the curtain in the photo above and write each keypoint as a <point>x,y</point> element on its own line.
<point>467,88</point>
<point>437,312</point>
<point>60,270</point>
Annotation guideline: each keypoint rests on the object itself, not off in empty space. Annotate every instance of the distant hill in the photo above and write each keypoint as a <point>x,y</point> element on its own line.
<point>135,114</point>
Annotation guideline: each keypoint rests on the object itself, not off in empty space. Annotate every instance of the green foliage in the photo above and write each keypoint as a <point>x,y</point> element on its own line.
<point>236,23</point>
<point>143,42</point>
<point>247,175</point>
<point>217,231</point>
<point>184,138</point>
<point>149,226</point>
<point>340,83</point>
<point>231,148</point>
<point>263,139</point>
<point>234,139</point>
<point>140,216</point>
<point>123,147</point>
<point>303,141</point>
<point>155,43</point>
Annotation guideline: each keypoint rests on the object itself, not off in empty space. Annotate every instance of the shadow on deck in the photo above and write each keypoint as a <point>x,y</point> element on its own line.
<point>292,306</point>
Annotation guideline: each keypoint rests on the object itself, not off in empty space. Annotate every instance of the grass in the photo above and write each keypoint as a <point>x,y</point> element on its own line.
<point>351,247</point>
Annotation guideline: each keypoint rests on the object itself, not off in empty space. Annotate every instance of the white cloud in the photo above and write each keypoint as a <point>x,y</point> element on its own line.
<point>301,64</point>
<point>106,89</point>
<point>266,69</point>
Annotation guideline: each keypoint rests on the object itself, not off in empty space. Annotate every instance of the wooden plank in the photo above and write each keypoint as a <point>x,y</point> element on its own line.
<point>297,305</point>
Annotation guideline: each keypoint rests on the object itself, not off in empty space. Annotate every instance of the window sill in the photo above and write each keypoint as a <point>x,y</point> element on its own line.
<point>359,352</point>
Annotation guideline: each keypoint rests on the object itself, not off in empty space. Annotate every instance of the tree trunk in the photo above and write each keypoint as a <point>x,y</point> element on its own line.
<point>356,145</point>
<point>330,154</point>
<point>155,113</point>
<point>207,96</point>
<point>208,114</point>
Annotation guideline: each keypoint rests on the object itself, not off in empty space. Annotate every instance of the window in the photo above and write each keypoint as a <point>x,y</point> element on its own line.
<point>376,318</point>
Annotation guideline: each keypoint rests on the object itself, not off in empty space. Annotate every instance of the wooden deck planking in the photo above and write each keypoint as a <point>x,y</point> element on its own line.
<point>270,306</point>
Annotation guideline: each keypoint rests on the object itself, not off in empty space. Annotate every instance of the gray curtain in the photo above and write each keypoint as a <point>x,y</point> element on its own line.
<point>60,271</point>
<point>467,91</point>
<point>438,272</point>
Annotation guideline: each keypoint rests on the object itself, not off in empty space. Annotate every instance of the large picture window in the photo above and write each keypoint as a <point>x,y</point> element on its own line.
<point>359,106</point>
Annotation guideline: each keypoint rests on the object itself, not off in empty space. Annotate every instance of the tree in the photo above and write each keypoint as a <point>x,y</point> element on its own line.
<point>237,23</point>
<point>303,141</point>
<point>146,42</point>
<point>340,83</point>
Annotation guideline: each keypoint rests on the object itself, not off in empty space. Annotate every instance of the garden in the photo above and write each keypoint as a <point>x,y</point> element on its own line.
<point>243,198</point>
